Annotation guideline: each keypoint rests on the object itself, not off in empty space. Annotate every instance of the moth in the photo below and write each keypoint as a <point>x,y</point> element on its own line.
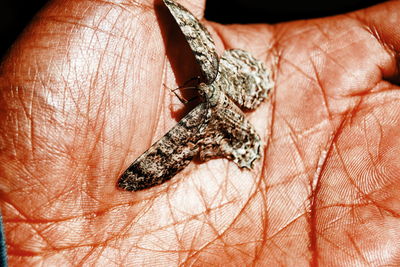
<point>217,127</point>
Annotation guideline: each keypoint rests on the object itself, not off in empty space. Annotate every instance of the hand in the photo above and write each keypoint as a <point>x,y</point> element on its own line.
<point>82,97</point>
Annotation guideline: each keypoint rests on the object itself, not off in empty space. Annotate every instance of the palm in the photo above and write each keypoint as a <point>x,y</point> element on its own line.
<point>83,96</point>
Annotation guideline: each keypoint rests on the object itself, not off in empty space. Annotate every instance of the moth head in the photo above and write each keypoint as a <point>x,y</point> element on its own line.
<point>205,91</point>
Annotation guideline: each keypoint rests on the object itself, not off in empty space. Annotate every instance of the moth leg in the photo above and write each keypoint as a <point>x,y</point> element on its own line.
<point>185,87</point>
<point>181,99</point>
<point>185,84</point>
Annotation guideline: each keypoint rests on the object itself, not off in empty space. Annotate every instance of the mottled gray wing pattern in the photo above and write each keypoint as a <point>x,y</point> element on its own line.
<point>230,135</point>
<point>215,128</point>
<point>169,155</point>
<point>243,78</point>
<point>199,40</point>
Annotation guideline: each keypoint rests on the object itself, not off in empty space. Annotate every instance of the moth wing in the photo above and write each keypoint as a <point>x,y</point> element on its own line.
<point>229,134</point>
<point>199,39</point>
<point>243,78</point>
<point>169,155</point>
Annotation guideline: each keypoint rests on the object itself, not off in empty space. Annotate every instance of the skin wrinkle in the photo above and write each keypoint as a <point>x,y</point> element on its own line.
<point>219,235</point>
<point>28,115</point>
<point>357,249</point>
<point>324,98</point>
<point>283,34</point>
<point>333,59</point>
<point>313,219</point>
<point>313,216</point>
<point>154,124</point>
<point>43,239</point>
<point>366,144</point>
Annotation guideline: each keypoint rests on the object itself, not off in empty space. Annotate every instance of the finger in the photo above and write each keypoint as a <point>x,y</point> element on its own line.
<point>196,7</point>
<point>382,22</point>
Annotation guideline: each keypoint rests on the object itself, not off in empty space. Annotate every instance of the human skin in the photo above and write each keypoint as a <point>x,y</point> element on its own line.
<point>82,96</point>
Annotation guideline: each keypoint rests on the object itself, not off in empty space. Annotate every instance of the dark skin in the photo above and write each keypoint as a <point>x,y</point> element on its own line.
<point>82,96</point>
